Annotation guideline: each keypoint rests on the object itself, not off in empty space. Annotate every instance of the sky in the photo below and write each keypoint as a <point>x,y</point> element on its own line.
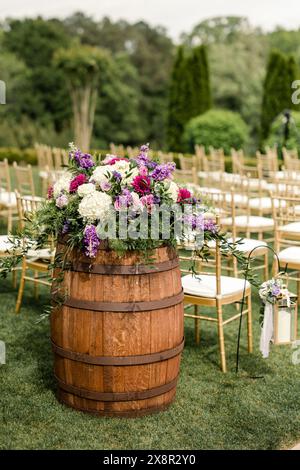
<point>177,16</point>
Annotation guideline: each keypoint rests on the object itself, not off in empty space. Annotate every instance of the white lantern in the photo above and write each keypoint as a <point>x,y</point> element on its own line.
<point>285,320</point>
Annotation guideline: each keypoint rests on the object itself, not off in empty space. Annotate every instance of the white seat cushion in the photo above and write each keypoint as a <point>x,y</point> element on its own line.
<point>290,255</point>
<point>5,244</point>
<point>293,227</point>
<point>264,203</point>
<point>252,221</point>
<point>249,244</point>
<point>41,253</point>
<point>8,199</point>
<point>44,174</point>
<point>205,285</point>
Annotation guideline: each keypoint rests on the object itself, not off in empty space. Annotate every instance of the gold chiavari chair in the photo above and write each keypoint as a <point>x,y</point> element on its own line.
<point>287,235</point>
<point>228,207</point>
<point>24,180</point>
<point>8,204</point>
<point>290,158</point>
<point>267,165</point>
<point>210,289</point>
<point>36,259</point>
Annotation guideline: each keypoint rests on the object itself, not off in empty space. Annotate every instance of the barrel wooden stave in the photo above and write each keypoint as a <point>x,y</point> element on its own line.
<point>119,334</point>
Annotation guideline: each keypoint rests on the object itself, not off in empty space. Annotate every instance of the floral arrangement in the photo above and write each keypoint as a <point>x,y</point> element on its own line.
<point>92,197</point>
<point>273,290</point>
<point>91,193</point>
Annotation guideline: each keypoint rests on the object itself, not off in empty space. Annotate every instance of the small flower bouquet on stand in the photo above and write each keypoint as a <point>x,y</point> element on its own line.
<point>279,314</point>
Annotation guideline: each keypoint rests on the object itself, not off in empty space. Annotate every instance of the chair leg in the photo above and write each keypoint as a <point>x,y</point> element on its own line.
<point>221,338</point>
<point>249,324</point>
<point>298,285</point>
<point>266,267</point>
<point>36,292</point>
<point>9,221</point>
<point>197,325</point>
<point>21,286</point>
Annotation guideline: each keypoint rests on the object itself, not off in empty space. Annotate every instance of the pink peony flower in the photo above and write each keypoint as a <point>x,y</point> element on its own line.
<point>142,184</point>
<point>148,201</point>
<point>113,160</point>
<point>143,170</point>
<point>76,182</point>
<point>183,194</point>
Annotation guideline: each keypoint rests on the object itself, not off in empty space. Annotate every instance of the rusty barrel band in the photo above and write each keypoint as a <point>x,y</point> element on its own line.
<point>125,306</point>
<point>118,361</point>
<point>123,269</point>
<point>117,396</point>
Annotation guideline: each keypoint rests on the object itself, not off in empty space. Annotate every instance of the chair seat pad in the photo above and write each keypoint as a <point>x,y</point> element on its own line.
<point>290,255</point>
<point>205,285</point>
<point>8,199</point>
<point>251,221</point>
<point>248,244</point>
<point>293,227</point>
<point>41,253</point>
<point>264,203</point>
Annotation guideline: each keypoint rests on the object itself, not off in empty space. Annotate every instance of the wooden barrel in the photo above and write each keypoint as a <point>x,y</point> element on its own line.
<point>118,338</point>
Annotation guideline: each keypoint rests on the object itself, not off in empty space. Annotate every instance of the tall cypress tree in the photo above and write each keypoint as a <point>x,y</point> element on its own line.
<point>281,72</point>
<point>190,93</point>
<point>201,100</point>
<point>177,105</point>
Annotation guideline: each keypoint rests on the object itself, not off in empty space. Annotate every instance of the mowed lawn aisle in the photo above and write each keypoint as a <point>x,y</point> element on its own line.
<point>212,410</point>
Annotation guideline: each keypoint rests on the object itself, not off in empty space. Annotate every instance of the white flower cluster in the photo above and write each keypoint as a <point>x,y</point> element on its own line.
<point>86,189</point>
<point>172,190</point>
<point>62,185</point>
<point>95,206</point>
<point>102,174</point>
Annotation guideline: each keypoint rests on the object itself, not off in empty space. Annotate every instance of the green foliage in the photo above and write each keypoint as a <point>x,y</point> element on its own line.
<point>189,93</point>
<point>14,154</point>
<point>281,72</point>
<point>217,128</point>
<point>276,134</point>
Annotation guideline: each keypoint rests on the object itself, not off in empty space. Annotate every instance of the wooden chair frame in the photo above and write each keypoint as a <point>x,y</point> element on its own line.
<point>218,302</point>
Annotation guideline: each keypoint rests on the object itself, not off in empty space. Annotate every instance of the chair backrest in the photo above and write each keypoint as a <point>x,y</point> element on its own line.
<point>290,158</point>
<point>5,184</point>
<point>187,163</point>
<point>286,211</point>
<point>211,266</point>
<point>267,165</point>
<point>24,179</point>
<point>186,176</point>
<point>216,159</point>
<point>27,206</point>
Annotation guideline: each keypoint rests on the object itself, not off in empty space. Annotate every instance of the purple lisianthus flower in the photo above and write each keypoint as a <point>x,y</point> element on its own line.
<point>61,201</point>
<point>123,200</point>
<point>143,159</point>
<point>105,186</point>
<point>209,225</point>
<point>117,176</point>
<point>163,171</point>
<point>91,241</point>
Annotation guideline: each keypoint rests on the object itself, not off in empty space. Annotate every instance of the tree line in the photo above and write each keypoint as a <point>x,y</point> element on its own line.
<point>144,87</point>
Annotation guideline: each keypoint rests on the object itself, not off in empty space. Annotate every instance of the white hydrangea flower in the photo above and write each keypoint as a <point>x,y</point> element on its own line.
<point>95,206</point>
<point>101,174</point>
<point>62,184</point>
<point>127,173</point>
<point>172,190</point>
<point>86,189</point>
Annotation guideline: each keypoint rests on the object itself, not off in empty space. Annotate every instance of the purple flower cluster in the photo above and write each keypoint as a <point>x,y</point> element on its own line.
<point>276,290</point>
<point>83,160</point>
<point>91,241</point>
<point>123,200</point>
<point>117,176</point>
<point>66,227</point>
<point>198,222</point>
<point>143,159</point>
<point>163,171</point>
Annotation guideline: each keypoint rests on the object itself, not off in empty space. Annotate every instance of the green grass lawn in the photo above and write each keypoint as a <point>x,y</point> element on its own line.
<point>212,410</point>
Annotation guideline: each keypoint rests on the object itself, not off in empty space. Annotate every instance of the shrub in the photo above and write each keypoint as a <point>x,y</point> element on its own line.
<point>276,134</point>
<point>216,128</point>
<point>14,154</point>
